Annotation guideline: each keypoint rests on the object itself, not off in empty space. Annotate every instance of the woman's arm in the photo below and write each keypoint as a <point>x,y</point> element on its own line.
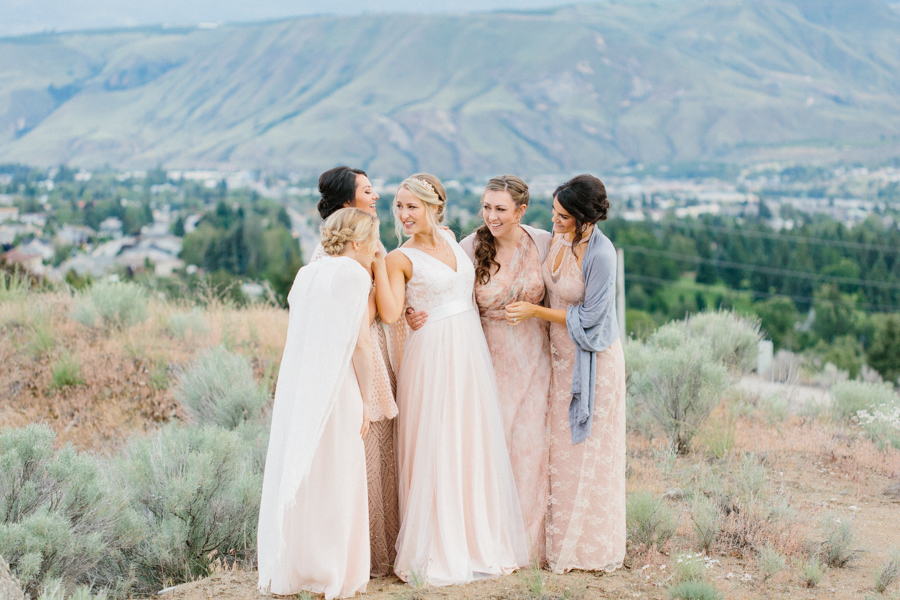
<point>363,366</point>
<point>391,275</point>
<point>373,307</point>
<point>522,311</point>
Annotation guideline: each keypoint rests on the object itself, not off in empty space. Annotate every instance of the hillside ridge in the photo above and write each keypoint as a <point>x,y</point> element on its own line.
<point>552,91</point>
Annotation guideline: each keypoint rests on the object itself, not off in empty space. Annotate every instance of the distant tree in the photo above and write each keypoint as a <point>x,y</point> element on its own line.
<point>778,315</point>
<point>765,213</point>
<point>884,353</point>
<point>178,228</point>
<point>835,315</point>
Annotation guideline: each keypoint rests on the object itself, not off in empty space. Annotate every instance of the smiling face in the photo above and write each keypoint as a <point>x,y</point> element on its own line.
<point>366,197</point>
<point>411,213</point>
<point>563,222</point>
<point>501,215</point>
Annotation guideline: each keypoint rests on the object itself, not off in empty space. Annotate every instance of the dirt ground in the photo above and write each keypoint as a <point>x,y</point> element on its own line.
<point>819,471</point>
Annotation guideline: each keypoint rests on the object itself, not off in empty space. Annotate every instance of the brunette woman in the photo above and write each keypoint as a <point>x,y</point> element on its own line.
<point>586,519</point>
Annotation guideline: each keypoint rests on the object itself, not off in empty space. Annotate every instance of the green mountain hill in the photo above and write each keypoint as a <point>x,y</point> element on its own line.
<point>580,87</point>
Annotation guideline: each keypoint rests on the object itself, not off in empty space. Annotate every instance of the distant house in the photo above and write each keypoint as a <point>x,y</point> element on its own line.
<point>36,219</point>
<point>33,263</point>
<point>111,227</point>
<point>74,235</point>
<point>9,213</point>
<point>39,248</point>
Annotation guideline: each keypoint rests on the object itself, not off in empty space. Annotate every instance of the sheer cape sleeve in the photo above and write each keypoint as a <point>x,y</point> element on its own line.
<point>328,302</point>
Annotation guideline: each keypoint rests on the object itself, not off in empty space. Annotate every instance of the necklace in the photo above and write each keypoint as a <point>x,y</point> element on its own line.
<point>438,246</point>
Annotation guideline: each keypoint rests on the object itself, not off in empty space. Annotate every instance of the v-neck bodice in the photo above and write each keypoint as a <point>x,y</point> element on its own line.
<point>434,283</point>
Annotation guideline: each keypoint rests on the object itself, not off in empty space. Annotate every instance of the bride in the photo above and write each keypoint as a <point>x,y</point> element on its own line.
<point>460,518</point>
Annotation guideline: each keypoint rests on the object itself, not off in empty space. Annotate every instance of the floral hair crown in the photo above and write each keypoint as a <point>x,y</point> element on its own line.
<point>424,184</point>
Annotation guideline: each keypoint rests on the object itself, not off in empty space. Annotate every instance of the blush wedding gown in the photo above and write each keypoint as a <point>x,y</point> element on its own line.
<point>459,511</point>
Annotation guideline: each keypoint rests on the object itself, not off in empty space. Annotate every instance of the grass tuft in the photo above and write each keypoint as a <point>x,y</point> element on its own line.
<point>812,571</point>
<point>889,572</point>
<point>769,561</point>
<point>839,545</point>
<point>65,372</point>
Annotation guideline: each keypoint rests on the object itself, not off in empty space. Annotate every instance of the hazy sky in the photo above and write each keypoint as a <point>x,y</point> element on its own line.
<point>27,16</point>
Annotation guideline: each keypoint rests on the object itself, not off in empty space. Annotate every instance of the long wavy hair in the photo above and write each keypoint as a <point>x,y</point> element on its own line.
<point>485,245</point>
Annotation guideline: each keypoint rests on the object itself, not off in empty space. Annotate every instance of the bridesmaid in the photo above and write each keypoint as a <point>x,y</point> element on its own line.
<point>586,519</point>
<point>345,187</point>
<point>507,257</point>
<point>313,518</point>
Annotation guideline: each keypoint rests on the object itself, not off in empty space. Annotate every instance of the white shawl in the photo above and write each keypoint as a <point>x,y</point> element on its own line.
<point>328,303</point>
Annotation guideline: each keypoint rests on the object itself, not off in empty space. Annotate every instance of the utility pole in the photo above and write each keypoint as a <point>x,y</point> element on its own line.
<point>620,290</point>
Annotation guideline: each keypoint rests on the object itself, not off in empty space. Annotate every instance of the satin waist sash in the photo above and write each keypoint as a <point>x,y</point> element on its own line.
<point>448,310</point>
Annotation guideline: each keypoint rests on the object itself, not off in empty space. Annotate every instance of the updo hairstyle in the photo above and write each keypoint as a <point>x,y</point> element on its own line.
<point>485,245</point>
<point>584,198</point>
<point>429,189</point>
<point>337,187</point>
<point>346,226</point>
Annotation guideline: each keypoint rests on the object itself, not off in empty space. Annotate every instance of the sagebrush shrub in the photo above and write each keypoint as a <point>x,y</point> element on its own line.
<point>184,325</point>
<point>219,387</point>
<point>769,561</point>
<point>812,571</point>
<point>679,387</point>
<point>707,520</point>
<point>114,304</point>
<point>838,547</point>
<point>694,590</point>
<point>198,492</point>
<point>59,519</point>
<point>689,567</point>
<point>649,521</point>
<point>850,397</point>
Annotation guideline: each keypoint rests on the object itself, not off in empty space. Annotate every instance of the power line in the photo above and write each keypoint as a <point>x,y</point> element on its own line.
<point>786,237</point>
<point>762,269</point>
<point>700,286</point>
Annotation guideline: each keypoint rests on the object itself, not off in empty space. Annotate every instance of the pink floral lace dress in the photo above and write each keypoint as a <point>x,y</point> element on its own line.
<point>521,357</point>
<point>586,519</point>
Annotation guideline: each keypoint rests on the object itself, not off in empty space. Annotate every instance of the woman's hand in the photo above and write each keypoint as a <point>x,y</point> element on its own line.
<point>378,261</point>
<point>416,319</point>
<point>366,420</point>
<point>519,311</point>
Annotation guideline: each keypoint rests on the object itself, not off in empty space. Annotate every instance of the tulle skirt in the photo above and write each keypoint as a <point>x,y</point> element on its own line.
<point>459,511</point>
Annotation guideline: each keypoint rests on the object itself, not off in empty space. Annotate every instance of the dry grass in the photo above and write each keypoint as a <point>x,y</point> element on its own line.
<point>126,372</point>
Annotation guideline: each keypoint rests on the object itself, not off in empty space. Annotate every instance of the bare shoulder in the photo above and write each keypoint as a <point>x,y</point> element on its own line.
<point>397,260</point>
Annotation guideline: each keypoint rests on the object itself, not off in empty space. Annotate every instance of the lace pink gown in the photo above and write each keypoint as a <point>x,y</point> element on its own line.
<point>521,357</point>
<point>459,512</point>
<point>586,520</point>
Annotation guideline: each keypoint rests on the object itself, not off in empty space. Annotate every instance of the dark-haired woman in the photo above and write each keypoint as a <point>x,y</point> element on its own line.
<point>586,519</point>
<point>339,188</point>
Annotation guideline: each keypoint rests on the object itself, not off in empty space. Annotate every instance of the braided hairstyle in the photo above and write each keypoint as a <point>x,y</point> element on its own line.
<point>485,245</point>
<point>346,226</point>
<point>584,198</point>
<point>337,187</point>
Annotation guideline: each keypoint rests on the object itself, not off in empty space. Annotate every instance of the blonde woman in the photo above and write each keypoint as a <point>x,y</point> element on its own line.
<point>507,256</point>
<point>314,519</point>
<point>339,188</point>
<point>460,518</point>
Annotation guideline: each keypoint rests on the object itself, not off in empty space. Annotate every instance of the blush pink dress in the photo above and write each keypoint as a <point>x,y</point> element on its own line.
<point>521,357</point>
<point>460,518</point>
<point>381,470</point>
<point>586,520</point>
